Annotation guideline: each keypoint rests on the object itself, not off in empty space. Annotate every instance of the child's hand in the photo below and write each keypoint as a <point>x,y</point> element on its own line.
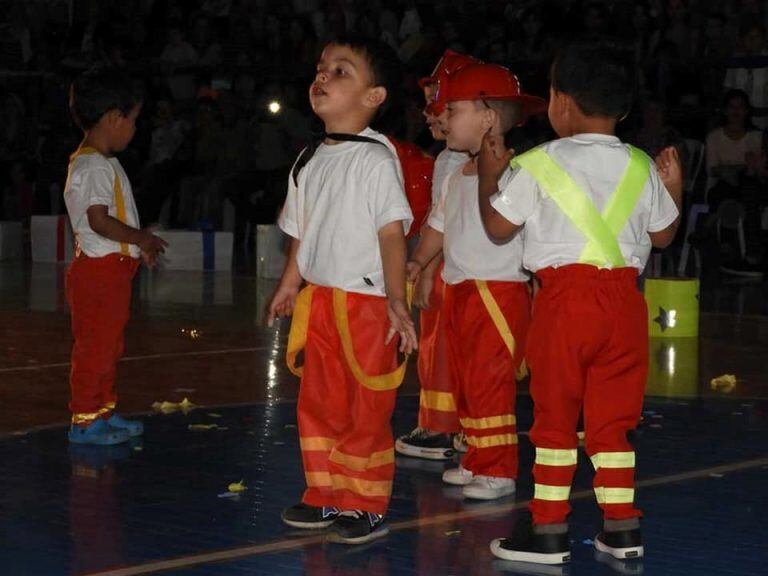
<point>402,324</point>
<point>412,271</point>
<point>493,158</point>
<point>151,247</point>
<point>671,171</point>
<point>422,291</point>
<point>282,303</point>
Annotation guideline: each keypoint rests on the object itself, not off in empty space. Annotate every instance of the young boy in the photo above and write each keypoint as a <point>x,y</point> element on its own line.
<point>438,420</point>
<point>486,304</point>
<point>109,243</point>
<point>347,215</point>
<point>592,208</point>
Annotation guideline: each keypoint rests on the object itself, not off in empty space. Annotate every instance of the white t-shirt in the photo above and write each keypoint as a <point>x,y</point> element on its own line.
<point>723,151</point>
<point>91,182</point>
<point>468,252</point>
<point>445,164</point>
<point>346,193</point>
<point>596,162</point>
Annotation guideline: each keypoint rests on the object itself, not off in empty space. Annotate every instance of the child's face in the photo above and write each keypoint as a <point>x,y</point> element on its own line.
<point>122,128</point>
<point>736,112</point>
<point>467,124</point>
<point>343,84</point>
<point>436,124</point>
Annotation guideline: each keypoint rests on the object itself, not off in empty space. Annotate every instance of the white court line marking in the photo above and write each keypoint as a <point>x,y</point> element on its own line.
<point>287,545</point>
<point>32,367</point>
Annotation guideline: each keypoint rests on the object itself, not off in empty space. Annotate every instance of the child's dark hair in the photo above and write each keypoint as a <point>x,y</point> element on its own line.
<point>98,91</point>
<point>385,68</point>
<point>599,74</point>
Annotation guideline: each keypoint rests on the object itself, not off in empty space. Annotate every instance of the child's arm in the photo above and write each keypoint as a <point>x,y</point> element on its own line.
<point>429,246</point>
<point>393,253</point>
<point>492,161</point>
<point>284,298</point>
<point>425,281</point>
<point>671,172</point>
<point>111,228</point>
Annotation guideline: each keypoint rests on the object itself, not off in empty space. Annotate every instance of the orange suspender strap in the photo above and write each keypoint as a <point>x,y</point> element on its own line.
<point>494,311</point>
<point>118,192</point>
<point>297,339</point>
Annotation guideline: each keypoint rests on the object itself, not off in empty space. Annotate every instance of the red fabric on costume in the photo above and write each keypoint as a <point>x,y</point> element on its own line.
<point>99,296</point>
<point>588,347</point>
<point>486,372</point>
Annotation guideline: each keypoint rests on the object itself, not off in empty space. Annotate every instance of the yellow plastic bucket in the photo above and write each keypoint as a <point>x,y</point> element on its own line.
<point>673,368</point>
<point>673,307</point>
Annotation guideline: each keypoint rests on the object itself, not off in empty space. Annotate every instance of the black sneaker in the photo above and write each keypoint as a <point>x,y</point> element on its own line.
<point>742,268</point>
<point>622,544</point>
<point>309,517</point>
<point>421,443</point>
<point>527,546</point>
<point>358,527</point>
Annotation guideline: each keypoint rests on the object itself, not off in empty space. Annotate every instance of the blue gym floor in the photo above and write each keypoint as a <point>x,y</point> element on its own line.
<point>159,505</point>
<point>162,506</point>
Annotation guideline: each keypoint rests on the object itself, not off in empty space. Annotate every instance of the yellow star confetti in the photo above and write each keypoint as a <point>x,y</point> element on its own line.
<point>725,383</point>
<point>237,487</point>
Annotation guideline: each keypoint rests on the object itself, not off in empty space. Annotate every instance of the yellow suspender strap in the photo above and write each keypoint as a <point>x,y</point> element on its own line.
<point>118,191</point>
<point>601,230</point>
<point>297,339</point>
<point>500,322</point>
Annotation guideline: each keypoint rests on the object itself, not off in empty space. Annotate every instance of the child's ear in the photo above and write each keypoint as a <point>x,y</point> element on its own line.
<point>375,97</point>
<point>490,118</point>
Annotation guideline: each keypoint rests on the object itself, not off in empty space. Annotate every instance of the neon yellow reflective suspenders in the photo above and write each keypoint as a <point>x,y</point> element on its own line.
<point>601,230</point>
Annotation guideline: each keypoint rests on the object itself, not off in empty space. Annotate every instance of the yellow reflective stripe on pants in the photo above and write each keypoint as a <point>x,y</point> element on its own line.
<point>489,422</point>
<point>313,443</point>
<point>614,495</point>
<point>369,488</point>
<point>491,441</point>
<point>613,460</point>
<point>553,457</point>
<point>85,417</point>
<point>440,401</point>
<point>318,479</point>
<point>551,493</point>
<point>361,463</point>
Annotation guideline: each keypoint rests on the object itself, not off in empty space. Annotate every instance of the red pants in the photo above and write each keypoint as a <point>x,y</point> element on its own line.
<point>99,296</point>
<point>344,427</point>
<point>588,347</point>
<point>486,371</point>
<point>437,403</point>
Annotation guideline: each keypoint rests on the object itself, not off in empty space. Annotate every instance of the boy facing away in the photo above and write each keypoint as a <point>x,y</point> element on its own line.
<point>347,215</point>
<point>590,208</point>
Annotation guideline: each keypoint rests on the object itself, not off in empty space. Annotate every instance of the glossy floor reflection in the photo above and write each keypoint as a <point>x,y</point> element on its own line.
<point>154,507</point>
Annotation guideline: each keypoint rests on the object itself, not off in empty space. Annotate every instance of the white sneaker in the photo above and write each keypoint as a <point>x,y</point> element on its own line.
<point>458,476</point>
<point>460,442</point>
<point>489,488</point>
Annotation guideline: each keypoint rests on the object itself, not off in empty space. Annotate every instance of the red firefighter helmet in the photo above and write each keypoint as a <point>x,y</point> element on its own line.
<point>491,82</point>
<point>448,64</point>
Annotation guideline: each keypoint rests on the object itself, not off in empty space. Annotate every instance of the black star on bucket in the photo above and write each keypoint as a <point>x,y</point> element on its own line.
<point>666,319</point>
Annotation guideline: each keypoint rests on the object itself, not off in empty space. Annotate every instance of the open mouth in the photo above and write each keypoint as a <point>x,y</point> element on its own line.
<point>317,91</point>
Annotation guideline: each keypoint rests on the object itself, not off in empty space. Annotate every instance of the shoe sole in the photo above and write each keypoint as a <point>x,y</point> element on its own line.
<point>483,495</point>
<point>620,553</point>
<point>86,442</point>
<point>456,482</point>
<point>529,557</point>
<point>424,453</point>
<point>337,538</point>
<point>308,525</point>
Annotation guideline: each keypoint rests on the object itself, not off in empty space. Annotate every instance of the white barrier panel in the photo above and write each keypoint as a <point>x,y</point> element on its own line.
<point>11,247</point>
<point>271,251</point>
<point>52,239</point>
<point>192,250</point>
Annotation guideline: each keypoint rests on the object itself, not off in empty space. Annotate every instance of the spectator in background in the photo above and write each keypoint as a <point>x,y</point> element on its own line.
<point>178,53</point>
<point>654,133</point>
<point>728,147</point>
<point>748,71</point>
